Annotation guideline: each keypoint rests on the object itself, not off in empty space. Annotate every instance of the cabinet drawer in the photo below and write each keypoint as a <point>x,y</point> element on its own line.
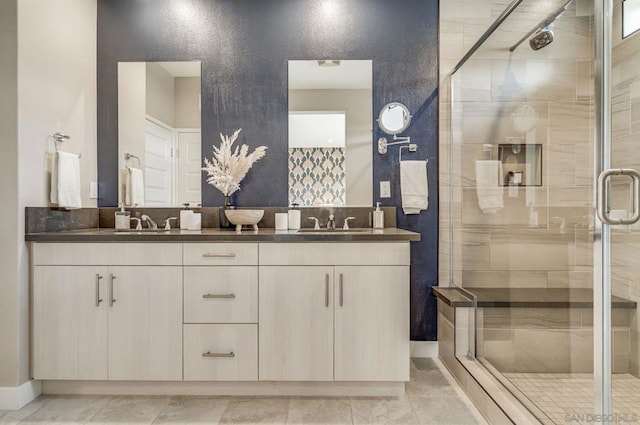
<point>221,294</point>
<point>216,254</point>
<point>107,254</point>
<point>339,254</point>
<point>220,352</point>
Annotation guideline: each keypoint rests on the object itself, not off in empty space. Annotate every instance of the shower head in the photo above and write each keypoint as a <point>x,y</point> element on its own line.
<point>541,39</point>
<point>542,35</point>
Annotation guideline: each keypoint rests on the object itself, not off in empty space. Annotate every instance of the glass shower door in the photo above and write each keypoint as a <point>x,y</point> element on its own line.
<point>617,342</point>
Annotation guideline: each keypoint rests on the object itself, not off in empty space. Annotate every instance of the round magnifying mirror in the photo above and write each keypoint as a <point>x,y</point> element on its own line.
<point>394,118</point>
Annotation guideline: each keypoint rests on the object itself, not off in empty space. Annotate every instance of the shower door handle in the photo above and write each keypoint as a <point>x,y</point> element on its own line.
<point>603,196</point>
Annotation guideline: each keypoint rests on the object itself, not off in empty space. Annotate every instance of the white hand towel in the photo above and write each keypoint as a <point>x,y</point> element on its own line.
<point>488,175</point>
<point>414,186</point>
<point>134,192</point>
<point>65,181</point>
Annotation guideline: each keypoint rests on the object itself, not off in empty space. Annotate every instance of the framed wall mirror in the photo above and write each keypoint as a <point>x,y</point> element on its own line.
<point>330,132</point>
<point>159,133</point>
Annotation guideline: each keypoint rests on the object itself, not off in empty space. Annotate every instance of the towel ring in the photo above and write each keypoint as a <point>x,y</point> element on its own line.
<point>411,148</point>
<point>128,156</point>
<point>59,138</point>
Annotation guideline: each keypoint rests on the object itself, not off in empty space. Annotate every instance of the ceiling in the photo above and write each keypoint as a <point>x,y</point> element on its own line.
<point>351,74</point>
<point>181,69</point>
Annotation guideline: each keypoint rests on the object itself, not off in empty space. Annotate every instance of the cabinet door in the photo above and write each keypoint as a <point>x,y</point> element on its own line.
<point>372,323</point>
<point>69,323</point>
<point>145,323</point>
<point>296,323</point>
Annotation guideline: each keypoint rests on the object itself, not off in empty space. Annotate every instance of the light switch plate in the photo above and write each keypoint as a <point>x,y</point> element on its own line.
<point>385,189</point>
<point>93,190</point>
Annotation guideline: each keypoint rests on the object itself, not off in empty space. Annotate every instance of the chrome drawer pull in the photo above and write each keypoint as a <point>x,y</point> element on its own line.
<point>98,299</point>
<point>326,290</point>
<point>210,354</point>
<point>226,296</point>
<point>112,298</point>
<point>214,255</point>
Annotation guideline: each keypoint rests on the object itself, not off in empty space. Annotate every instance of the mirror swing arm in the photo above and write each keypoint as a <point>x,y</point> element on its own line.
<point>399,140</point>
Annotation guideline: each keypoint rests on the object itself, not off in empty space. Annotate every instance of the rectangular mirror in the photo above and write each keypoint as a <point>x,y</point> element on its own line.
<point>159,133</point>
<point>330,132</point>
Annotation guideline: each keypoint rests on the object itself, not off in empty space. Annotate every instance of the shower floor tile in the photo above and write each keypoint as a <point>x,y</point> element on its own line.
<point>568,398</point>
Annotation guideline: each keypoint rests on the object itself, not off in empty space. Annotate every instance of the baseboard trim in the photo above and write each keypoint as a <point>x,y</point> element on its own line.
<point>14,398</point>
<point>424,349</point>
<point>335,389</point>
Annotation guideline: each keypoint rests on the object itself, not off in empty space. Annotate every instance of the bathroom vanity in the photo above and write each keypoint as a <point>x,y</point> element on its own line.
<point>215,312</point>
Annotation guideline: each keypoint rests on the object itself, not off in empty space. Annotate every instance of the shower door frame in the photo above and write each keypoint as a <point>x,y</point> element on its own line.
<point>602,328</point>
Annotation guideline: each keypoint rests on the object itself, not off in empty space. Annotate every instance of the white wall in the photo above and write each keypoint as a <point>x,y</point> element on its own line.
<point>11,235</point>
<point>160,94</point>
<point>359,151</point>
<point>56,91</point>
<point>132,77</point>
<point>187,98</point>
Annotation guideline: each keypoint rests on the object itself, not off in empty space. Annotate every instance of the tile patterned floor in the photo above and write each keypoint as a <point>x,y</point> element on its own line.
<point>432,397</point>
<point>568,398</point>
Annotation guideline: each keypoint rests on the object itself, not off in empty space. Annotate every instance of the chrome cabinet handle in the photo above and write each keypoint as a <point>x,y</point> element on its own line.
<point>222,255</point>
<point>326,290</point>
<point>341,290</point>
<point>225,296</point>
<point>98,299</point>
<point>210,354</point>
<point>603,196</point>
<point>111,292</point>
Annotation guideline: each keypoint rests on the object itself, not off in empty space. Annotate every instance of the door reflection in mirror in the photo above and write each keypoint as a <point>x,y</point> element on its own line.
<point>159,122</point>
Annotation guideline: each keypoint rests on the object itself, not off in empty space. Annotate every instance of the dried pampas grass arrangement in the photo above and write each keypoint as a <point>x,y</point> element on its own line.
<point>227,168</point>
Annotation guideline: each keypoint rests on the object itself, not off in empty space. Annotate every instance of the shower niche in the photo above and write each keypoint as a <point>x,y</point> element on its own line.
<point>521,164</point>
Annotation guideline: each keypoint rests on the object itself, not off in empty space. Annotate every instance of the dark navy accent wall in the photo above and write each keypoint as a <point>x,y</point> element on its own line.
<point>244,46</point>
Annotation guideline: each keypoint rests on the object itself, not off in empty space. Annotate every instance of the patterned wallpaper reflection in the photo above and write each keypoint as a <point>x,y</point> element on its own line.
<point>317,176</point>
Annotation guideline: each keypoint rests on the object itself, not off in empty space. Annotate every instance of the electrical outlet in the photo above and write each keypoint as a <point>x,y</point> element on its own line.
<point>385,189</point>
<point>93,190</point>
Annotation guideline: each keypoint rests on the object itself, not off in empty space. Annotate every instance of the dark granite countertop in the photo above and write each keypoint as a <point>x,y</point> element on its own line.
<point>217,235</point>
<point>526,298</point>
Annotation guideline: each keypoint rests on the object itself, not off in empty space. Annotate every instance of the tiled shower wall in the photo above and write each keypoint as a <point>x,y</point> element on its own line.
<point>625,140</point>
<point>508,249</point>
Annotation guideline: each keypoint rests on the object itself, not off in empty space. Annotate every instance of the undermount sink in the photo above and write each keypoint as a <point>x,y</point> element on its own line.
<point>324,230</point>
<point>145,230</point>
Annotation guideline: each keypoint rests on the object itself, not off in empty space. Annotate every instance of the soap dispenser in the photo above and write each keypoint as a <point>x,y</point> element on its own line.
<point>123,218</point>
<point>293,217</point>
<point>378,217</point>
<point>185,217</point>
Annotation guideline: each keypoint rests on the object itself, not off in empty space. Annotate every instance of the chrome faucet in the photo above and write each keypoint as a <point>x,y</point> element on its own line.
<point>346,222</point>
<point>151,224</point>
<point>167,224</point>
<point>316,225</point>
<point>331,223</point>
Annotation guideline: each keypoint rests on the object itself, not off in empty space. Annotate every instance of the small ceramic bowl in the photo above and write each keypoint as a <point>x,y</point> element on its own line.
<point>244,218</point>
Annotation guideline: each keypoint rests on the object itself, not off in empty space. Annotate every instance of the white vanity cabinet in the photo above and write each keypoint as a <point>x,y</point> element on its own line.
<point>296,323</point>
<point>371,323</point>
<point>334,312</point>
<point>273,315</point>
<point>69,322</point>
<point>97,317</point>
<point>220,311</point>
